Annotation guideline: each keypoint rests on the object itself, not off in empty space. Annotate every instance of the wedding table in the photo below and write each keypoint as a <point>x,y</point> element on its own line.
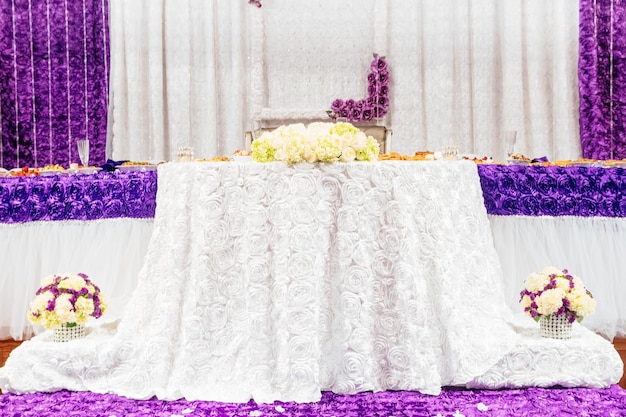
<point>569,217</point>
<point>275,282</point>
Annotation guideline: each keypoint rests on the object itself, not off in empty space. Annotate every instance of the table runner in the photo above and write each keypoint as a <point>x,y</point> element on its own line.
<point>553,191</point>
<point>507,191</point>
<point>103,195</point>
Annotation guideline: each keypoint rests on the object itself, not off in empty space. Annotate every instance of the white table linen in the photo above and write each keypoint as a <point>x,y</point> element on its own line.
<point>276,282</point>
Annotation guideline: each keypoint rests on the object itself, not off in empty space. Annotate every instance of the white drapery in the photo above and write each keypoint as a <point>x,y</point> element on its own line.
<point>178,77</point>
<point>195,73</point>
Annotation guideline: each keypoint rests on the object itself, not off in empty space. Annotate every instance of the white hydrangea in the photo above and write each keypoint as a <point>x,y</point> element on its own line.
<point>550,301</point>
<point>581,303</point>
<point>536,282</point>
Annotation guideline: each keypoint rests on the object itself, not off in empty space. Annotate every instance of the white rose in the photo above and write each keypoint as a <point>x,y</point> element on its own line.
<point>347,155</point>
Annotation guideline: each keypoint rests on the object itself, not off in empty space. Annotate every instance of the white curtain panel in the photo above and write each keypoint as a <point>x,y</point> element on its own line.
<point>178,77</point>
<point>201,73</point>
<point>466,72</point>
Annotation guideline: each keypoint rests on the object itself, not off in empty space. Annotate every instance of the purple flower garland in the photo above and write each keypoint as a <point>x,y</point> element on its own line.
<point>376,104</point>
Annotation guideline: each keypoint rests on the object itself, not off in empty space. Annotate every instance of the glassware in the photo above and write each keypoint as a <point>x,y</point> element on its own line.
<point>450,153</point>
<point>509,140</point>
<point>185,154</point>
<point>83,151</point>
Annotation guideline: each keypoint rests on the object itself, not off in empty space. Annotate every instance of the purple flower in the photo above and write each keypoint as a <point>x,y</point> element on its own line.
<point>377,102</point>
<point>383,77</point>
<point>378,64</point>
<point>337,105</point>
<point>356,114</point>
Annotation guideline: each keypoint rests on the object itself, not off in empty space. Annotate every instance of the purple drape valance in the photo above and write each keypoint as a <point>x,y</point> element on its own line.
<point>553,191</point>
<point>602,78</point>
<point>54,71</point>
<point>103,195</point>
<point>507,190</point>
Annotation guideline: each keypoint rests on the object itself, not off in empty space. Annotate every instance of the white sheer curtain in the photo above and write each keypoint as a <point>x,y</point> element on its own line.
<point>178,77</point>
<point>465,72</point>
<point>197,73</point>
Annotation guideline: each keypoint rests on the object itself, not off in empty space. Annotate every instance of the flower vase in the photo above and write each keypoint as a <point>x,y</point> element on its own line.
<point>555,327</point>
<point>69,331</point>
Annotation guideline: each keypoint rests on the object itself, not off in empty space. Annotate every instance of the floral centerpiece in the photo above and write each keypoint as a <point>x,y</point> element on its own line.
<point>555,296</point>
<point>317,142</point>
<point>66,301</point>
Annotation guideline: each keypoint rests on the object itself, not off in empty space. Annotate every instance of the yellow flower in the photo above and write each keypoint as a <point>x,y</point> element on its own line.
<point>536,282</point>
<point>74,282</point>
<point>549,270</point>
<point>550,301</point>
<point>562,283</point>
<point>64,309</point>
<point>581,303</point>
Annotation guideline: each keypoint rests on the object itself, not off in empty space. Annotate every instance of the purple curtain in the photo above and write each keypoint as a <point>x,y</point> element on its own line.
<point>602,78</point>
<point>54,72</point>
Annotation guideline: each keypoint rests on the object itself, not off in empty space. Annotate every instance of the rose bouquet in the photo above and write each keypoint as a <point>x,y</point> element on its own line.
<point>556,292</point>
<point>66,299</point>
<point>317,142</point>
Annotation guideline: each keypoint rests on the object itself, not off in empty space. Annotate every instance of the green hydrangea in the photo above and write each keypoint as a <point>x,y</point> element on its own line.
<point>370,151</point>
<point>263,150</point>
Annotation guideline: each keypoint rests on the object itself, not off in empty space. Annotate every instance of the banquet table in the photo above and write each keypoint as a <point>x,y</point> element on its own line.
<point>569,217</point>
<point>276,282</point>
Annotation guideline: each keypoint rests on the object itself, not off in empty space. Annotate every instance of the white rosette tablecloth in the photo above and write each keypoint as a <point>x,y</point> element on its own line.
<point>277,282</point>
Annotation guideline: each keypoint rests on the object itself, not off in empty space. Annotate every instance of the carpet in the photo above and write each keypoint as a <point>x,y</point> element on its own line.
<point>609,402</point>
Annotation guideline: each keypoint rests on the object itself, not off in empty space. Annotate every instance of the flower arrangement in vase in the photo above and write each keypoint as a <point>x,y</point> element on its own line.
<point>554,295</point>
<point>317,142</point>
<point>64,303</point>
